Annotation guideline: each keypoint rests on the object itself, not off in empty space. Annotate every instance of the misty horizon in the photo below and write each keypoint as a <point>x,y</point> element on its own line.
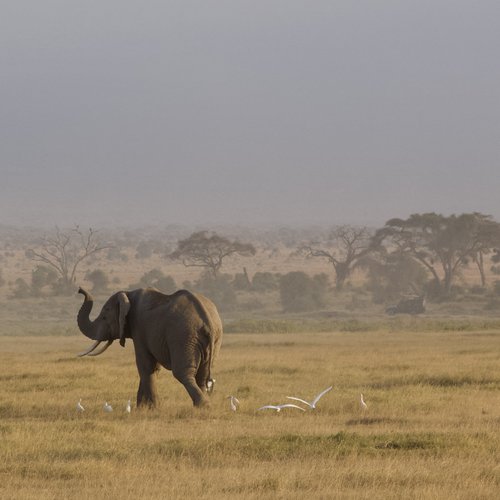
<point>248,114</point>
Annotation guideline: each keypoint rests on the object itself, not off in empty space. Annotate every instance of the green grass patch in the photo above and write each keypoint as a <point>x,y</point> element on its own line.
<point>399,324</point>
<point>438,381</point>
<point>298,446</point>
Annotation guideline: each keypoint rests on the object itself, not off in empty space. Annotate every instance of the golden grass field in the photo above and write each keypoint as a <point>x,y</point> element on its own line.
<point>431,429</point>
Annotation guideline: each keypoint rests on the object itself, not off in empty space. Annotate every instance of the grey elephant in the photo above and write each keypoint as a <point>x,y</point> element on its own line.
<point>181,332</point>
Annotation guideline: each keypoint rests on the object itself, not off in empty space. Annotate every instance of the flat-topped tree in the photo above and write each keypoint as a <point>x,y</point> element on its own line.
<point>208,250</point>
<point>444,244</point>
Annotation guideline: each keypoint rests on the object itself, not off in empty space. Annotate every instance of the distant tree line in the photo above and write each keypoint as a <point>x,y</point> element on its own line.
<point>406,252</point>
<point>424,254</point>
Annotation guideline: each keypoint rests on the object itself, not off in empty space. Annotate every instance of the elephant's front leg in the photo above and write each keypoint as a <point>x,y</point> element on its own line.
<point>146,366</point>
<point>146,395</point>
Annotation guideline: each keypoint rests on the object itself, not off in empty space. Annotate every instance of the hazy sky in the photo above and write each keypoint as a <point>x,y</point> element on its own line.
<point>247,112</point>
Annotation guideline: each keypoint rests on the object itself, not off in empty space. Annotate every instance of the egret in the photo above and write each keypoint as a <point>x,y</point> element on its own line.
<point>128,408</point>
<point>313,403</point>
<point>79,406</point>
<point>278,408</point>
<point>364,406</point>
<point>210,385</point>
<point>233,402</point>
<point>107,407</point>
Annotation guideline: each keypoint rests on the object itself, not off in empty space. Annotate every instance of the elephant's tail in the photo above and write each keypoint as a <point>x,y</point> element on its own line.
<point>211,329</point>
<point>209,351</point>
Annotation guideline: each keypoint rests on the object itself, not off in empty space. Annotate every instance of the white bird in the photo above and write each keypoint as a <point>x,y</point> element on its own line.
<point>128,408</point>
<point>79,406</point>
<point>314,402</point>
<point>210,385</point>
<point>364,406</point>
<point>234,403</point>
<point>279,407</point>
<point>107,407</point>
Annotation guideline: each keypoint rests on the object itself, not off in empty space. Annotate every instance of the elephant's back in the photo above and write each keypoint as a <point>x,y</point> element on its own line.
<point>204,307</point>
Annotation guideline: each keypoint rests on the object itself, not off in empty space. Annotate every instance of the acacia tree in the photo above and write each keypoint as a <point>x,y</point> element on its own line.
<point>393,274</point>
<point>443,244</point>
<point>64,251</point>
<point>208,250</point>
<point>487,234</point>
<point>344,249</point>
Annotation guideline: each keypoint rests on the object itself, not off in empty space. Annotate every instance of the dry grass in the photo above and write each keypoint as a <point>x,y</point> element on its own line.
<point>431,429</point>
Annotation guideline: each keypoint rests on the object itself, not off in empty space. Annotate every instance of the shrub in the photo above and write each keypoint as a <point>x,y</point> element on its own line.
<point>155,278</point>
<point>496,287</point>
<point>99,280</point>
<point>144,250</point>
<point>115,253</point>
<point>265,281</point>
<point>240,282</point>
<point>218,289</point>
<point>42,276</point>
<point>299,292</point>
<point>495,269</point>
<point>21,289</point>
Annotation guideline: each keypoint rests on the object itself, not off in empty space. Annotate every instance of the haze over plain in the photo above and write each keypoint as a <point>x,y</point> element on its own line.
<point>262,112</point>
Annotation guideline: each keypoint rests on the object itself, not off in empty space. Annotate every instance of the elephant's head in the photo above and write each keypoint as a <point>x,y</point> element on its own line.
<point>108,326</point>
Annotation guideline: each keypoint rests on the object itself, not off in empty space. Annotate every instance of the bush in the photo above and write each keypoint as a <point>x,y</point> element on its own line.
<point>144,250</point>
<point>492,305</point>
<point>21,289</point>
<point>99,280</point>
<point>263,282</point>
<point>240,282</point>
<point>116,254</point>
<point>495,269</point>
<point>42,276</point>
<point>155,278</point>
<point>218,289</point>
<point>299,292</point>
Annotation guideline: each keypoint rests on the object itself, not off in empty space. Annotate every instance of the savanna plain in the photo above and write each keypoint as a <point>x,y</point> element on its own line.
<point>431,383</point>
<point>430,429</point>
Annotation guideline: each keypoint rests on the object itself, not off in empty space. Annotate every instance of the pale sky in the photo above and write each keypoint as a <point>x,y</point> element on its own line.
<point>247,112</point>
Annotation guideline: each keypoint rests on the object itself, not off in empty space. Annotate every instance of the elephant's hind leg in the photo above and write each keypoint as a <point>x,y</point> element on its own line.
<point>185,372</point>
<point>203,375</point>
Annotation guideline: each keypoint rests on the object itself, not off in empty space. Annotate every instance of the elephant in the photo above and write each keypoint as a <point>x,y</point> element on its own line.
<point>181,332</point>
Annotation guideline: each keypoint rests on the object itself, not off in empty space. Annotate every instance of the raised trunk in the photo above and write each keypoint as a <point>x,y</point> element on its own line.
<point>83,319</point>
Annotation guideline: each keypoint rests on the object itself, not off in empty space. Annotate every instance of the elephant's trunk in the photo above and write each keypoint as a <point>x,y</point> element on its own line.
<point>83,319</point>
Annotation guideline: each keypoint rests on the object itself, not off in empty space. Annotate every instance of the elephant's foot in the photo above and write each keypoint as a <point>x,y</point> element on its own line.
<point>197,396</point>
<point>148,405</point>
<point>203,403</point>
<point>146,395</point>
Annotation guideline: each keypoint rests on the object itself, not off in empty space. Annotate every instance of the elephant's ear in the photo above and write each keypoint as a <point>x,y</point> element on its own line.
<point>123,308</point>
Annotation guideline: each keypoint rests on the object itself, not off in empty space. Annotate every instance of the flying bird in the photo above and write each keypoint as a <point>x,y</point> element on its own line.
<point>364,406</point>
<point>79,406</point>
<point>314,402</point>
<point>233,402</point>
<point>278,408</point>
<point>107,407</point>
<point>128,408</point>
